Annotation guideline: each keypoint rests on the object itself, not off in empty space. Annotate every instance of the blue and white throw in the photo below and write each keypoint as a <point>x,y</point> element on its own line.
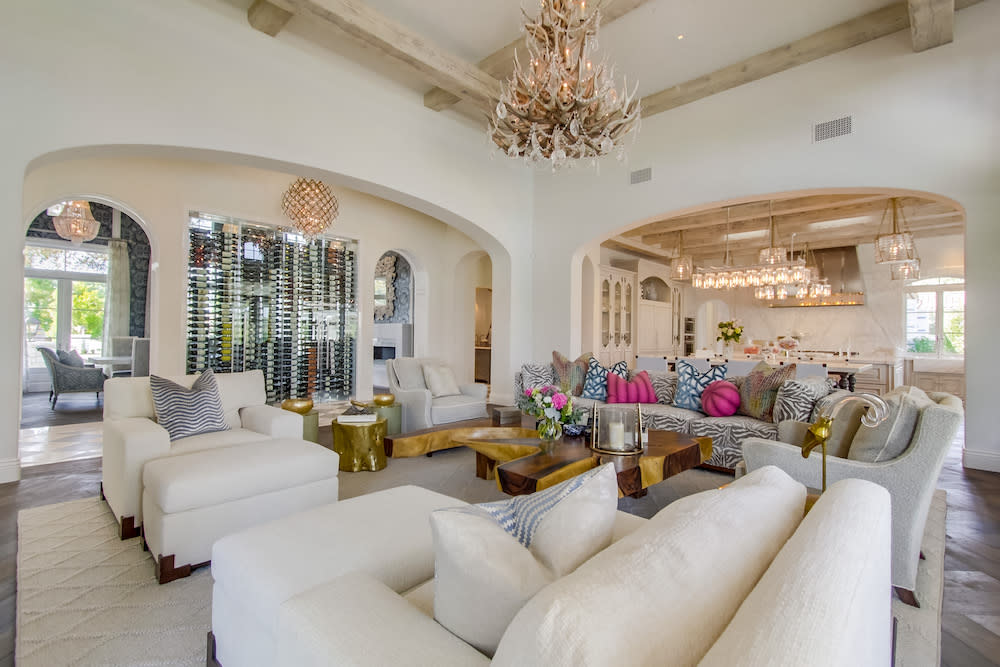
<point>185,412</point>
<point>595,385</point>
<point>521,515</point>
<point>691,384</point>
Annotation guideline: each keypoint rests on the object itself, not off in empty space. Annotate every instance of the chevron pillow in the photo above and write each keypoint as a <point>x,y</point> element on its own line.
<point>185,412</point>
<point>505,552</point>
<point>595,385</point>
<point>691,383</point>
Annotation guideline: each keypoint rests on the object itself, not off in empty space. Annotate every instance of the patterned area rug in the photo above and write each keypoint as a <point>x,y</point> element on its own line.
<point>85,597</point>
<point>918,631</point>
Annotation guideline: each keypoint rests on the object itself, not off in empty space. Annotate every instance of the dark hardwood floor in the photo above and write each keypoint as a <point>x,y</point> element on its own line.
<point>970,633</point>
<point>76,408</point>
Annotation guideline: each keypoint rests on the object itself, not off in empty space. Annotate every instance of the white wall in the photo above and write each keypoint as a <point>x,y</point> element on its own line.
<point>161,192</point>
<point>195,77</point>
<point>923,121</point>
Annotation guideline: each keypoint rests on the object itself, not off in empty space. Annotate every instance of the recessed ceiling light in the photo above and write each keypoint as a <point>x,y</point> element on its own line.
<point>680,36</point>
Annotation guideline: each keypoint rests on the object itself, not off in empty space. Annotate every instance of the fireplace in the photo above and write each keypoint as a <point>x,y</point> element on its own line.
<point>391,341</point>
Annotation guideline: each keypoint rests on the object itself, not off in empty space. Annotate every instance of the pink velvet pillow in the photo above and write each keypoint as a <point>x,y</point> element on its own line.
<point>720,399</point>
<point>637,390</point>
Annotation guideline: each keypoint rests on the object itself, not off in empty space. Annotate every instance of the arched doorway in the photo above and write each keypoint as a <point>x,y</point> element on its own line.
<point>393,313</point>
<point>85,302</point>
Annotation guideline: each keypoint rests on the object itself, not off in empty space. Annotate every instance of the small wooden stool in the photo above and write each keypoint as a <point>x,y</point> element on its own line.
<point>506,415</point>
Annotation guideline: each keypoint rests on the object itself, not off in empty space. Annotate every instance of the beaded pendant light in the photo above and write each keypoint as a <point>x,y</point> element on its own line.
<point>311,206</point>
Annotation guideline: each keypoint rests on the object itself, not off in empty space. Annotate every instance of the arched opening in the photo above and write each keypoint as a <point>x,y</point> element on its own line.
<point>393,313</point>
<point>85,303</point>
<point>872,313</point>
<point>473,299</point>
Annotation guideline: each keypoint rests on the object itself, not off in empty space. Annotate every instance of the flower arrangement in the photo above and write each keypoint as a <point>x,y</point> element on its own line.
<point>730,331</point>
<point>551,406</point>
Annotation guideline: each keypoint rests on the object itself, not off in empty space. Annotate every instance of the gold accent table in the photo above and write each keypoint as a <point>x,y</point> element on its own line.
<point>361,446</point>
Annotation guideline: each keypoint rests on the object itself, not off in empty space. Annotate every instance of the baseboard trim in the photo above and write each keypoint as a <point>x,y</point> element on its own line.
<point>979,460</point>
<point>10,470</point>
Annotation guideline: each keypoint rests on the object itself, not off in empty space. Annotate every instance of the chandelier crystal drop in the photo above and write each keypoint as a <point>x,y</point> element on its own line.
<point>311,206</point>
<point>561,106</point>
<point>76,223</point>
<point>896,246</point>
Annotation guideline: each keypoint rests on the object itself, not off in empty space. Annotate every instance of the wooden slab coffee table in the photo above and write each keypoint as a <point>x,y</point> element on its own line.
<point>667,453</point>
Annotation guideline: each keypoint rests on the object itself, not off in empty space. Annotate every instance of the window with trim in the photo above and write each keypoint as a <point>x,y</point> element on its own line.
<point>935,317</point>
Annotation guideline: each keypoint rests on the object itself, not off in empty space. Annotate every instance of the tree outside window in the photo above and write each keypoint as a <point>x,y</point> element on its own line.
<point>935,317</point>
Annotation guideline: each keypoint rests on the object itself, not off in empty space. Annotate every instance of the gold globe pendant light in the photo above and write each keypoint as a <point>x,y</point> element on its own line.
<point>311,206</point>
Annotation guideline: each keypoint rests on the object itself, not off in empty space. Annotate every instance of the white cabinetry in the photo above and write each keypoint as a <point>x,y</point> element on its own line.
<point>616,298</point>
<point>655,334</point>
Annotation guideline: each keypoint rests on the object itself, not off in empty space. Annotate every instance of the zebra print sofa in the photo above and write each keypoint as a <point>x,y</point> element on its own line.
<point>798,400</point>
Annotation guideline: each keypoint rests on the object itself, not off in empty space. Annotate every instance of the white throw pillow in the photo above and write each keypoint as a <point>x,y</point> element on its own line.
<point>440,380</point>
<point>665,593</point>
<point>490,559</point>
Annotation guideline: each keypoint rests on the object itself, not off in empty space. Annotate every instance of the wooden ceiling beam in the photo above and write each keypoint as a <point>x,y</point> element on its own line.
<point>637,247</point>
<point>787,224</point>
<point>715,249</point>
<point>433,63</point>
<point>932,23</point>
<point>752,211</point>
<point>268,17</point>
<point>500,64</point>
<point>870,26</point>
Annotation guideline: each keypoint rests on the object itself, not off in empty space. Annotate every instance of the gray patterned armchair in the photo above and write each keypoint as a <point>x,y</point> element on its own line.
<point>67,379</point>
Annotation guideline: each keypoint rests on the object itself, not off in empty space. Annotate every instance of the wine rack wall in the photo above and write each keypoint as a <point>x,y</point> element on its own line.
<point>260,297</point>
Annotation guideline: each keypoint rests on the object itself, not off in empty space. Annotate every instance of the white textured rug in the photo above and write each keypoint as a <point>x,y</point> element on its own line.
<point>85,597</point>
<point>918,631</point>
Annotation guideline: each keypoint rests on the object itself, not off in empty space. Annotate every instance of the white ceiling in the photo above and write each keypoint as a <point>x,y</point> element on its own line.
<point>643,44</point>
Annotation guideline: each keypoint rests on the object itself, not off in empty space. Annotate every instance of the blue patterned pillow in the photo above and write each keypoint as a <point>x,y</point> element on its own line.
<point>595,385</point>
<point>691,383</point>
<point>185,412</point>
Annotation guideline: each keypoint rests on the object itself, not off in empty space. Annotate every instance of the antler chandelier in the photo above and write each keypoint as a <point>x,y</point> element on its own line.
<point>562,106</point>
<point>310,205</point>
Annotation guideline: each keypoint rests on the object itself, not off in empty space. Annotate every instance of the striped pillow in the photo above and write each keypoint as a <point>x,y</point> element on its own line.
<point>185,412</point>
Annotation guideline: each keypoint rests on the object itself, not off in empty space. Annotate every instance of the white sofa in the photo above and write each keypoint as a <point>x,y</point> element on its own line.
<point>421,409</point>
<point>733,576</point>
<point>132,437</point>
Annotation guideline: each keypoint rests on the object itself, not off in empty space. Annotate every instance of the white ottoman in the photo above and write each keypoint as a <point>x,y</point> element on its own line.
<point>385,534</point>
<point>190,501</point>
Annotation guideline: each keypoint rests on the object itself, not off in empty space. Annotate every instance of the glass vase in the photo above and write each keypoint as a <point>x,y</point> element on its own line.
<point>549,430</point>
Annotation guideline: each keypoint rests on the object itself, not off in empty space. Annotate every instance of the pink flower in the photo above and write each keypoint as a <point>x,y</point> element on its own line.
<point>559,401</point>
<point>527,392</point>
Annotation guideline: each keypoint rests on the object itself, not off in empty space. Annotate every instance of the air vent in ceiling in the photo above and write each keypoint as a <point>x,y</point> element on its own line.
<point>641,175</point>
<point>831,129</point>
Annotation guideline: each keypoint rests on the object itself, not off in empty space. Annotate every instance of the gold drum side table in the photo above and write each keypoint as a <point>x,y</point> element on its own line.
<point>360,446</point>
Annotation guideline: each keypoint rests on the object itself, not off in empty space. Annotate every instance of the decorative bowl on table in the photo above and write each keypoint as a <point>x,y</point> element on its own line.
<point>300,405</point>
<point>576,430</point>
<point>383,400</point>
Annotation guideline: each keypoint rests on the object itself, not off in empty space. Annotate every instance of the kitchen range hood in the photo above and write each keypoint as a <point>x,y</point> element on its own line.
<point>841,268</point>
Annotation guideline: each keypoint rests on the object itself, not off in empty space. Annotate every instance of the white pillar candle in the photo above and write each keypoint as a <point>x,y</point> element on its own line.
<point>616,435</point>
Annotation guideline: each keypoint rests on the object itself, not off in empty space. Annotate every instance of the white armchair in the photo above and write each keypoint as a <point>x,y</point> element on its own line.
<point>132,437</point>
<point>910,478</point>
<point>420,408</point>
